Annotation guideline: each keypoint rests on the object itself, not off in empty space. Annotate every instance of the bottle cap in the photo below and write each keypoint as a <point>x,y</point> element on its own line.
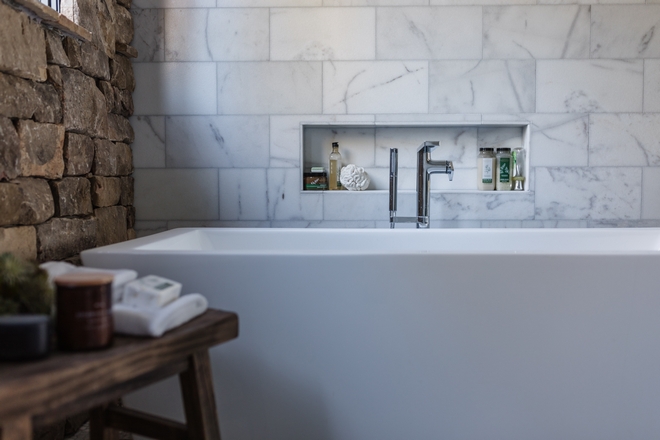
<point>485,149</point>
<point>317,170</point>
<point>504,150</point>
<point>335,144</point>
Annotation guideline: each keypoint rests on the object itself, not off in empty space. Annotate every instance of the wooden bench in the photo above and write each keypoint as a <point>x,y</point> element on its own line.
<point>43,392</point>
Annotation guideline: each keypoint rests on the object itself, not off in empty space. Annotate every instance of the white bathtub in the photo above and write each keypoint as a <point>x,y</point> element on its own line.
<point>421,334</point>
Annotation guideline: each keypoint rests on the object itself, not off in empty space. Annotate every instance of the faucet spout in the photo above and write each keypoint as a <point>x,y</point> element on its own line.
<point>425,167</point>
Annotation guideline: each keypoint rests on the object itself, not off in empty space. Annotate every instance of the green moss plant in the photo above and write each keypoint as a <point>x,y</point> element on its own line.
<point>24,287</point>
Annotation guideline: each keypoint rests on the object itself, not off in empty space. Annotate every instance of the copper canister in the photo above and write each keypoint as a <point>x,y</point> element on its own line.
<point>84,311</point>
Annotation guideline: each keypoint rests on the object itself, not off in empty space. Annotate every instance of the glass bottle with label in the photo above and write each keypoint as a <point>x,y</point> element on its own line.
<point>486,169</point>
<point>503,175</point>
<point>334,168</point>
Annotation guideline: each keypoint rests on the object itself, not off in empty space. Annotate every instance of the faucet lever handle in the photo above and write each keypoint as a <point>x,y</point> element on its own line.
<point>428,146</point>
<point>450,170</point>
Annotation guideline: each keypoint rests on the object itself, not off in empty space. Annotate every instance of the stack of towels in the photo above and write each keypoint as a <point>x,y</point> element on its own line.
<point>147,306</point>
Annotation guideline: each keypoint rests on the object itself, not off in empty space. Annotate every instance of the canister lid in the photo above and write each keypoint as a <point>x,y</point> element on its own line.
<point>505,150</point>
<point>85,279</point>
<point>485,149</point>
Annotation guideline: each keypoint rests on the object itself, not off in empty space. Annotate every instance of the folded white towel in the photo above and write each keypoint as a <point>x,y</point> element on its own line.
<point>121,276</point>
<point>155,322</point>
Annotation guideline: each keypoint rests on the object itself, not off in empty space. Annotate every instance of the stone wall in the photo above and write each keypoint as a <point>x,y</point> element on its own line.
<point>65,158</point>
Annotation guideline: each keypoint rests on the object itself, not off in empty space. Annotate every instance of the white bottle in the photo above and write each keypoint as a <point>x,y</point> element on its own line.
<point>486,169</point>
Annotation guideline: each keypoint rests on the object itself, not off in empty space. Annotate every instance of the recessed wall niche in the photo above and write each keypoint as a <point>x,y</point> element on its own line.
<point>368,145</point>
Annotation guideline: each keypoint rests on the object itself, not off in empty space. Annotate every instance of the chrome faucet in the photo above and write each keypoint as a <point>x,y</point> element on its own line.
<point>425,167</point>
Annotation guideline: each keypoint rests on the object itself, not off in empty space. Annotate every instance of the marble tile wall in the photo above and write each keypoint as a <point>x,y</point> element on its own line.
<point>223,85</point>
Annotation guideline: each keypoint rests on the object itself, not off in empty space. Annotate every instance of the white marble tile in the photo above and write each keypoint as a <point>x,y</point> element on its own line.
<point>554,224</point>
<point>536,32</point>
<point>501,224</point>
<point>590,2</point>
<point>217,141</point>
<point>588,193</point>
<point>458,144</point>
<point>176,194</point>
<point>426,117</point>
<point>650,190</point>
<point>428,33</point>
<point>375,87</point>
<point>652,85</point>
<point>175,88</point>
<point>624,139</point>
<point>216,34</point>
<point>269,87</point>
<point>349,205</point>
<point>375,2</point>
<point>149,34</point>
<point>490,205</point>
<point>488,86</point>
<point>625,31</point>
<point>173,224</point>
<point>324,224</point>
<point>500,137</point>
<point>481,2</point>
<point>556,139</point>
<point>322,34</point>
<point>589,86</point>
<point>285,145</point>
<point>165,4</point>
<point>149,145</point>
<point>286,201</point>
<point>243,194</point>
<point>356,145</point>
<point>266,3</point>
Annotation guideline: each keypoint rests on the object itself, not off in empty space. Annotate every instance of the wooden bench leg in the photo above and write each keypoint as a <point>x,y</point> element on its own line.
<point>199,399</point>
<point>98,430</point>
<point>17,429</point>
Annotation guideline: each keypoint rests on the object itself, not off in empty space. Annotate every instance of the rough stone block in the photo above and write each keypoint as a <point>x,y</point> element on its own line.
<point>119,129</point>
<point>130,217</point>
<point>21,241</point>
<point>106,191</point>
<point>42,149</point>
<point>88,58</point>
<point>125,3</point>
<point>78,154</point>
<point>111,225</point>
<point>84,105</point>
<point>55,76</point>
<point>24,99</point>
<point>127,190</point>
<point>112,159</point>
<point>131,234</point>
<point>55,53</point>
<point>72,196</point>
<point>25,202</point>
<point>61,238</point>
<point>73,52</point>
<point>17,97</point>
<point>123,102</point>
<point>123,25</point>
<point>50,104</point>
<point>10,153</point>
<point>109,94</point>
<point>23,44</point>
<point>121,72</point>
<point>97,16</point>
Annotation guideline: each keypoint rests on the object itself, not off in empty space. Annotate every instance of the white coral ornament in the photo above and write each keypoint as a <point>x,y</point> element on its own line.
<point>354,178</point>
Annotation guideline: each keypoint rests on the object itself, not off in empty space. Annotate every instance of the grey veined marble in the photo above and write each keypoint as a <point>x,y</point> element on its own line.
<point>625,31</point>
<point>588,193</point>
<point>536,32</point>
<point>487,86</point>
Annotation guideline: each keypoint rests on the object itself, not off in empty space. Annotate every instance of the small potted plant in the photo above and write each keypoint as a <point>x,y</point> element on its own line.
<point>26,305</point>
